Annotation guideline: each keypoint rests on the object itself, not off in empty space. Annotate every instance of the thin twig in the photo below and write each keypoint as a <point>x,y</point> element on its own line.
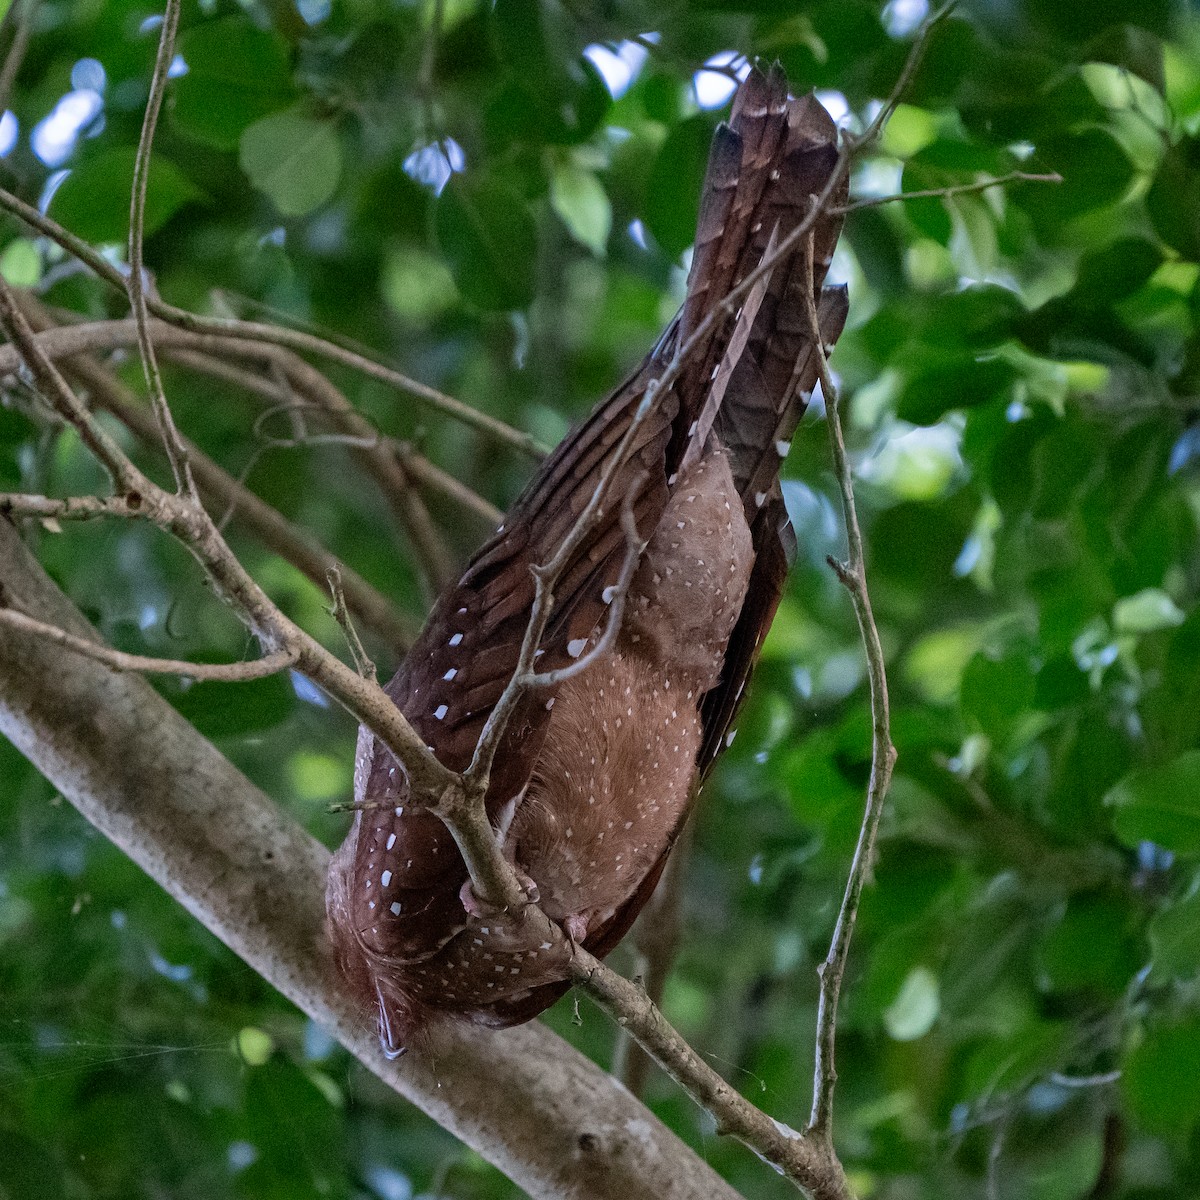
<point>297,546</point>
<point>185,519</point>
<point>410,510</point>
<point>118,660</point>
<point>362,661</point>
<point>804,1160</point>
<point>604,644</point>
<point>852,573</point>
<point>275,335</point>
<point>46,376</point>
<point>136,282</point>
<point>418,467</point>
<point>20,16</point>
<point>478,774</point>
<point>945,193</point>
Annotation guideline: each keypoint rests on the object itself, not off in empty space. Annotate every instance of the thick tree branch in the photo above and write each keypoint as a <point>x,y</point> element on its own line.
<point>527,1101</point>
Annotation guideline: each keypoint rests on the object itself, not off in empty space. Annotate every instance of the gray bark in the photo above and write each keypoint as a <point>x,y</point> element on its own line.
<point>548,1117</point>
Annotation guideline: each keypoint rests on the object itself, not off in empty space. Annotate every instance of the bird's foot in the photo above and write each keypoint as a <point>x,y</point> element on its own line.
<point>576,928</point>
<point>481,909</point>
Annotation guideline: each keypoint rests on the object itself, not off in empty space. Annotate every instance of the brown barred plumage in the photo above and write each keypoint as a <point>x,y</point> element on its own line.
<point>593,780</point>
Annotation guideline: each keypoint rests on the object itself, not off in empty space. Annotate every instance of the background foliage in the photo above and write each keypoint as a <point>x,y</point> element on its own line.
<point>493,199</point>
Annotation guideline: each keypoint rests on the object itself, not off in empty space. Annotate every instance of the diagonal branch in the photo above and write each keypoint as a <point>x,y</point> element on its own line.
<point>527,1101</point>
<point>186,519</point>
<point>119,660</point>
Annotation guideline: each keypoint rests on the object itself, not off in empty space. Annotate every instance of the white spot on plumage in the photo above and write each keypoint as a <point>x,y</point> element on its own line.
<point>396,908</point>
<point>782,448</point>
<point>450,674</point>
<point>440,712</point>
<point>456,639</point>
<point>575,646</point>
<point>385,878</point>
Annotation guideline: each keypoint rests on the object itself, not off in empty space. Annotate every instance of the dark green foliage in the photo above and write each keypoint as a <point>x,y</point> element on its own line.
<point>1022,382</point>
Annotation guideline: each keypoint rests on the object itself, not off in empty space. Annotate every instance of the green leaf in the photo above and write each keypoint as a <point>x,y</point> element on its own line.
<point>93,200</point>
<point>1115,271</point>
<point>1161,805</point>
<point>488,236</point>
<point>1095,169</point>
<point>579,198</point>
<point>255,1046</point>
<point>912,1014</point>
<point>294,159</point>
<point>997,692</point>
<point>950,382</point>
<point>1089,947</point>
<point>21,263</point>
<point>673,198</point>
<point>236,75</point>
<point>1148,610</point>
<point>1161,1079</point>
<point>417,285</point>
<point>231,710</point>
<point>1175,940</point>
<point>1174,198</point>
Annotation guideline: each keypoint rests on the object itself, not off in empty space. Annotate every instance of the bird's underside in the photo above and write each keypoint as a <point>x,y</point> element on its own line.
<point>593,779</point>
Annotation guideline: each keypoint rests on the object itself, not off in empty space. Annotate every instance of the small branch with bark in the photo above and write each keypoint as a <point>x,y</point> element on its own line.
<point>852,574</point>
<point>118,660</point>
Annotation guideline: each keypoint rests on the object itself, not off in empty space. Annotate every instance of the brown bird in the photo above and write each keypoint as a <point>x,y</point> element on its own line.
<point>594,778</point>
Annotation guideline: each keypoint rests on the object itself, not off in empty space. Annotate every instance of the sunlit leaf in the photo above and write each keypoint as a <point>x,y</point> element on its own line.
<point>294,158</point>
